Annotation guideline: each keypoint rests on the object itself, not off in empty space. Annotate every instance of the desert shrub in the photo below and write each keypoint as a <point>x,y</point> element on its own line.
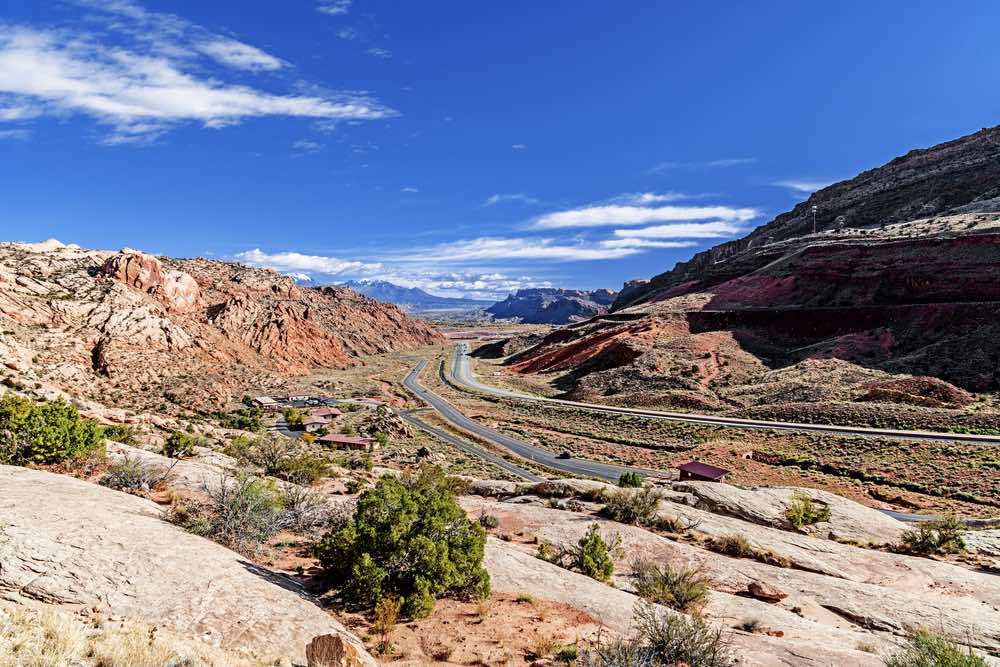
<point>44,433</point>
<point>243,419</point>
<point>133,475</point>
<point>593,557</point>
<point>662,638</point>
<point>241,513</point>
<point>679,588</point>
<point>804,511</point>
<point>122,433</point>
<point>630,480</point>
<point>178,445</point>
<point>305,510</point>
<point>293,417</point>
<point>732,545</point>
<point>489,521</point>
<point>633,507</point>
<point>567,654</point>
<point>408,537</point>
<point>384,623</point>
<point>927,649</point>
<point>282,457</point>
<point>940,536</point>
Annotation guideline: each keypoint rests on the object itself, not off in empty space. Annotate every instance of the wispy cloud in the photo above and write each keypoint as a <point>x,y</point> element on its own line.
<point>638,244</point>
<point>519,147</point>
<point>142,95</point>
<point>349,33</point>
<point>17,134</point>
<point>804,185</point>
<point>306,146</point>
<point>518,248</point>
<point>647,198</point>
<point>239,55</point>
<point>611,215</point>
<point>379,52</point>
<point>409,190</point>
<point>704,164</point>
<point>516,197</point>
<point>690,230</point>
<point>334,7</point>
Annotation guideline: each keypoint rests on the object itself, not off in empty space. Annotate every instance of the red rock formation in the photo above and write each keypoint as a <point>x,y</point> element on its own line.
<point>176,290</point>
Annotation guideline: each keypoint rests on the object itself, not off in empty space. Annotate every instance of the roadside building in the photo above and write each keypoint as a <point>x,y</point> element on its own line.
<point>266,403</point>
<point>339,441</point>
<point>702,472</point>
<point>313,423</point>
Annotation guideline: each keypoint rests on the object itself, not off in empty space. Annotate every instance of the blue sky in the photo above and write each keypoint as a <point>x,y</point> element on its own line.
<point>464,147</point>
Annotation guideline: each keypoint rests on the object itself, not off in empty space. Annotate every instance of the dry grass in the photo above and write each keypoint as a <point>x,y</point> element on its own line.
<point>31,638</point>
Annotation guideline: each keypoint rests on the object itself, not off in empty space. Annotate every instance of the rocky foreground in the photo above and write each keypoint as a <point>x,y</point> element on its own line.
<point>827,594</point>
<point>147,333</point>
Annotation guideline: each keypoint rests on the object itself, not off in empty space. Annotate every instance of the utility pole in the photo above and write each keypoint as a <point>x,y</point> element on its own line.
<point>814,208</point>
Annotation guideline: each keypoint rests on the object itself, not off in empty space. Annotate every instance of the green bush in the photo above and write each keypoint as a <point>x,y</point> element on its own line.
<point>243,419</point>
<point>732,545</point>
<point>408,537</point>
<point>593,557</point>
<point>681,588</point>
<point>630,480</point>
<point>122,433</point>
<point>179,445</point>
<point>940,536</point>
<point>804,511</point>
<point>489,521</point>
<point>284,458</point>
<point>632,507</point>
<point>929,650</point>
<point>293,417</point>
<point>44,433</point>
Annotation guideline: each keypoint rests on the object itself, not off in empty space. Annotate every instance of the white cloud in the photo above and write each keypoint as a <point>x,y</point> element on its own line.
<point>239,55</point>
<point>349,33</point>
<point>804,185</point>
<point>409,190</point>
<point>141,96</point>
<point>519,147</point>
<point>379,52</point>
<point>19,135</point>
<point>334,7</point>
<point>691,230</point>
<point>705,164</point>
<point>645,243</point>
<point>289,262</point>
<point>489,248</point>
<point>647,198</point>
<point>602,216</point>
<point>306,146</point>
<point>18,112</point>
<point>516,197</point>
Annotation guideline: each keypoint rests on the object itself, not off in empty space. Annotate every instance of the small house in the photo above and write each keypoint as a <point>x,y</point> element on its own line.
<point>339,441</point>
<point>329,413</point>
<point>701,472</point>
<point>314,423</point>
<point>266,403</point>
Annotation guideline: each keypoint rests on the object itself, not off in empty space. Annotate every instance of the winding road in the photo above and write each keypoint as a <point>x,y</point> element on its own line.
<point>582,467</point>
<point>462,375</point>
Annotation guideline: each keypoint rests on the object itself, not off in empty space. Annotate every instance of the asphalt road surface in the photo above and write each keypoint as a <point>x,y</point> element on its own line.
<point>461,374</point>
<point>582,467</point>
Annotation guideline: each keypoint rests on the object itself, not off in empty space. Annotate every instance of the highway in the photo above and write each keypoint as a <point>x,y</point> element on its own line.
<point>581,467</point>
<point>462,375</point>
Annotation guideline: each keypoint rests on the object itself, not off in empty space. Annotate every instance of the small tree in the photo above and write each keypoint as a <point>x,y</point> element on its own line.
<point>630,480</point>
<point>44,433</point>
<point>593,557</point>
<point>179,445</point>
<point>408,537</point>
<point>386,615</point>
<point>293,417</point>
<point>804,511</point>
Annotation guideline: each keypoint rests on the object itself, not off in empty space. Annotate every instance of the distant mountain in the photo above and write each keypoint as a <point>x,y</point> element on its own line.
<point>553,306</point>
<point>412,299</point>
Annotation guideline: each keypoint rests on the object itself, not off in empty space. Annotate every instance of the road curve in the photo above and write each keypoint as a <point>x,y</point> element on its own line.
<point>469,448</point>
<point>461,374</point>
<point>582,467</point>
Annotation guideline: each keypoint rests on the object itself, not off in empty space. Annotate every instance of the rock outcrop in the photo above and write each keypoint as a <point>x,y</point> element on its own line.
<point>160,334</point>
<point>552,306</point>
<point>87,547</point>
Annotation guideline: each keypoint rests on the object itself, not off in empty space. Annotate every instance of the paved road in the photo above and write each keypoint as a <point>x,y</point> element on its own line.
<point>470,448</point>
<point>523,449</point>
<point>461,373</point>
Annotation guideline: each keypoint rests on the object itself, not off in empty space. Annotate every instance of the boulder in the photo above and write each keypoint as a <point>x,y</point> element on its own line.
<point>176,290</point>
<point>75,545</point>
<point>767,505</point>
<point>332,651</point>
<point>493,488</point>
<point>762,590</point>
